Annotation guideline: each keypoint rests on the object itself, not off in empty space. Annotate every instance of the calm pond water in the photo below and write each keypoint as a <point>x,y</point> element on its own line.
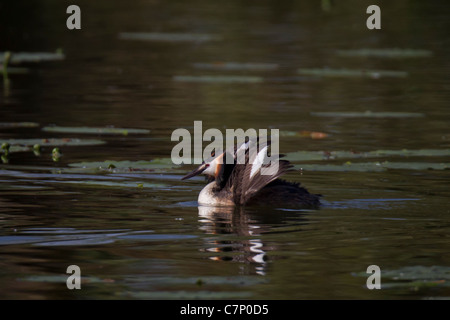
<point>114,205</point>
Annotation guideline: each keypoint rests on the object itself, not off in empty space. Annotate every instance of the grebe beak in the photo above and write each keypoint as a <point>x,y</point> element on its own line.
<point>197,171</point>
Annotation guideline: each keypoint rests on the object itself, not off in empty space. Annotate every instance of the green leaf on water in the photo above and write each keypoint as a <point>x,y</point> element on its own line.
<point>351,73</point>
<point>95,130</point>
<point>385,53</point>
<point>219,79</point>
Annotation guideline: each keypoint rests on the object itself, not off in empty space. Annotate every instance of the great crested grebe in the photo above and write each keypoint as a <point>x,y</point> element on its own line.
<point>235,184</point>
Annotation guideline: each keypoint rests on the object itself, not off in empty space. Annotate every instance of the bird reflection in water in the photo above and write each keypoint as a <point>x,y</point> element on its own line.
<point>238,235</point>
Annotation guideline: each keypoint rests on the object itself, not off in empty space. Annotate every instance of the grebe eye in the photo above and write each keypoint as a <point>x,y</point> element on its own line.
<point>207,165</point>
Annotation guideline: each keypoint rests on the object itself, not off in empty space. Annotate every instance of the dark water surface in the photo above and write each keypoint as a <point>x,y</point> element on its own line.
<point>135,229</point>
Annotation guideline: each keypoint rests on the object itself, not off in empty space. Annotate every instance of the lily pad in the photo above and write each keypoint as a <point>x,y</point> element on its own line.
<point>190,295</point>
<point>304,134</point>
<point>235,66</point>
<point>219,79</point>
<point>418,273</point>
<point>59,279</point>
<point>368,114</point>
<point>18,125</point>
<point>115,184</point>
<point>373,166</point>
<point>411,153</point>
<point>95,130</point>
<point>21,57</point>
<point>55,142</point>
<point>332,155</point>
<point>413,277</point>
<point>207,280</point>
<point>385,53</point>
<point>141,164</point>
<point>169,37</point>
<point>13,149</point>
<point>352,73</point>
<point>122,166</point>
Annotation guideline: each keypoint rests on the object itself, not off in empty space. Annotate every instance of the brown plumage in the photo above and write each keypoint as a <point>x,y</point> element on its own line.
<point>243,184</point>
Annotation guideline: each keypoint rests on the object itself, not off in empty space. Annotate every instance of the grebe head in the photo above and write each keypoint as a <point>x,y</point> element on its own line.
<point>210,167</point>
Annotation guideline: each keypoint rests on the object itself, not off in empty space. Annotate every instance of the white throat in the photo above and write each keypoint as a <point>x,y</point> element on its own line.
<point>208,197</point>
